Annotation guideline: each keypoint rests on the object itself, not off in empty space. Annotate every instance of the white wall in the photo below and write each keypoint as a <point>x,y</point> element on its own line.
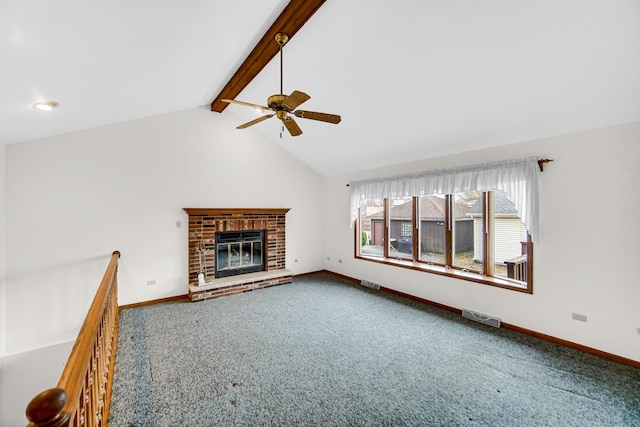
<point>3,252</point>
<point>73,199</point>
<point>586,260</point>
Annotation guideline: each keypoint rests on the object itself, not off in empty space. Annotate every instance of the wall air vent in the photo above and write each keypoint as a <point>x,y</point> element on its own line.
<point>370,284</point>
<point>482,318</point>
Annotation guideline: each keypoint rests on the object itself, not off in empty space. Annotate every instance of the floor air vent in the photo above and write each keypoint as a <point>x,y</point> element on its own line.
<point>370,284</point>
<point>482,318</point>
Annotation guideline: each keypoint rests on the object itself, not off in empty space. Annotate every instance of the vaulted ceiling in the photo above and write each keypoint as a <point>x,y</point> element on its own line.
<point>411,79</point>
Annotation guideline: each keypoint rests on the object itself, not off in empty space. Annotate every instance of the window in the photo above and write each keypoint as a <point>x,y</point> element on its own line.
<point>467,244</point>
<point>400,227</point>
<point>371,232</point>
<point>433,238</point>
<point>510,240</point>
<point>458,223</point>
<point>406,229</point>
<point>472,235</point>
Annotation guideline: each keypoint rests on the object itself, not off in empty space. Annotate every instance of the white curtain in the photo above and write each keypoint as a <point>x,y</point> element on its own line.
<point>518,178</point>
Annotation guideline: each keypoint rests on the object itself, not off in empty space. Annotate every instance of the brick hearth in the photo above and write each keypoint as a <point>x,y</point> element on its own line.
<point>233,285</point>
<point>203,224</point>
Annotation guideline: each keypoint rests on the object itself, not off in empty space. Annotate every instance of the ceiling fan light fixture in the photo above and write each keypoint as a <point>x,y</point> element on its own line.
<point>45,105</point>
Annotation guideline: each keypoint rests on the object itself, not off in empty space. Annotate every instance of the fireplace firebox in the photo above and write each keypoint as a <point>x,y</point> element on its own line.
<point>239,252</point>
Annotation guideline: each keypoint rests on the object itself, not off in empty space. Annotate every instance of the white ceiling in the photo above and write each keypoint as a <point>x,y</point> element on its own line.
<point>411,79</point>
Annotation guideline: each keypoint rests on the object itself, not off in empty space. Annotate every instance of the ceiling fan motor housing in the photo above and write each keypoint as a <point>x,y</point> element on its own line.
<point>275,101</point>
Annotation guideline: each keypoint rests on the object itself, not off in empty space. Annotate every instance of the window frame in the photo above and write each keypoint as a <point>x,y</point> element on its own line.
<point>487,273</point>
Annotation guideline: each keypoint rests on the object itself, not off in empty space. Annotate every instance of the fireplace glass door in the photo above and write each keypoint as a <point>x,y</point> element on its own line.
<point>239,252</point>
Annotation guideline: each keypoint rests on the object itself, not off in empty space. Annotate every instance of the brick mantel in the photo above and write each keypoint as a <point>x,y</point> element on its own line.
<point>205,222</point>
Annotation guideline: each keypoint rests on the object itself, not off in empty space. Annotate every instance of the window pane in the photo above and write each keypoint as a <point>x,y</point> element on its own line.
<point>433,236</point>
<point>467,240</point>
<point>372,227</point>
<point>401,228</point>
<point>510,239</point>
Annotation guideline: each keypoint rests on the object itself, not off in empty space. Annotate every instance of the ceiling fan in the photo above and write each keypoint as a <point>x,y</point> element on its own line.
<point>283,106</point>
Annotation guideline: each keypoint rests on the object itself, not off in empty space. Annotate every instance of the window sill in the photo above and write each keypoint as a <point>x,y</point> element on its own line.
<point>450,272</point>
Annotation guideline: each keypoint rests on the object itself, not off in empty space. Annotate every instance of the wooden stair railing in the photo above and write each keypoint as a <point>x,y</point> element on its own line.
<point>83,393</point>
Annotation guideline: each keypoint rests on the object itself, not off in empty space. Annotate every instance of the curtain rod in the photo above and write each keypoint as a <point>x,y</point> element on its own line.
<point>541,163</point>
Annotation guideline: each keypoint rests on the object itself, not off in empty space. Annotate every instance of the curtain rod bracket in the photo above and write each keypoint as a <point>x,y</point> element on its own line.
<point>541,163</point>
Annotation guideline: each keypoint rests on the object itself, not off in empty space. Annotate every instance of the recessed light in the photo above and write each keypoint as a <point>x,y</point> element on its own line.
<point>45,105</point>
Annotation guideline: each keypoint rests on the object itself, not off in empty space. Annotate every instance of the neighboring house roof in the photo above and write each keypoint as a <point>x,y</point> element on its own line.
<point>432,208</point>
<point>502,205</point>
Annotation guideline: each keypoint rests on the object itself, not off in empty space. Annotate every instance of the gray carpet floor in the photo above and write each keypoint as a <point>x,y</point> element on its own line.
<point>324,352</point>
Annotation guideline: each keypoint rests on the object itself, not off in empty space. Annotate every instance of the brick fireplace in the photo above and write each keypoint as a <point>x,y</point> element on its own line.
<point>204,223</point>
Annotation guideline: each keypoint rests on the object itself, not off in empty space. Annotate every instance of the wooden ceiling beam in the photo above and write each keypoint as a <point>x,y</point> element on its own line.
<point>292,18</point>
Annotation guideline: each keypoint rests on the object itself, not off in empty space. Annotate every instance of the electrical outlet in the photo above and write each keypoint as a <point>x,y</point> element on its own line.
<point>151,282</point>
<point>638,330</point>
<point>339,261</point>
<point>328,258</point>
<point>295,260</point>
<point>178,224</point>
<point>579,317</point>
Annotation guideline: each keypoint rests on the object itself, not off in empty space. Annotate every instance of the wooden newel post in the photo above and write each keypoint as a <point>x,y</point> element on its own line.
<point>46,409</point>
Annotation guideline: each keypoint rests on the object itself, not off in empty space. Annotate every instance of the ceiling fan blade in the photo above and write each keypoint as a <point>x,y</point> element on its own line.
<point>254,121</point>
<point>296,98</point>
<point>246,104</point>
<point>323,117</point>
<point>292,126</point>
